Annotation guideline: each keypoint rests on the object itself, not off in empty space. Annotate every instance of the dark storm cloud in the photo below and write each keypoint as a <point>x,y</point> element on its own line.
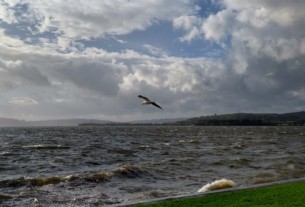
<point>31,75</point>
<point>18,73</point>
<point>95,76</point>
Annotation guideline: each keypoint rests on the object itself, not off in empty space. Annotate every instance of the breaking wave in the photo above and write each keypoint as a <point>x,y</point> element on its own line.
<point>103,166</point>
<point>217,185</point>
<point>125,171</point>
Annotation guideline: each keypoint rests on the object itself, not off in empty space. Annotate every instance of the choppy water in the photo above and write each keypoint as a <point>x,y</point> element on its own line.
<point>104,166</point>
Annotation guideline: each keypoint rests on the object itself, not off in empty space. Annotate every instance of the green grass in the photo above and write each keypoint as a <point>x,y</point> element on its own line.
<point>281,195</point>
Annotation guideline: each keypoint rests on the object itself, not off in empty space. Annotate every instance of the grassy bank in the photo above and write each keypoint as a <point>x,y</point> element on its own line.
<point>280,195</point>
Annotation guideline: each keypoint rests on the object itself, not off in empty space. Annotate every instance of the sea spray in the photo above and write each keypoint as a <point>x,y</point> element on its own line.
<point>217,185</point>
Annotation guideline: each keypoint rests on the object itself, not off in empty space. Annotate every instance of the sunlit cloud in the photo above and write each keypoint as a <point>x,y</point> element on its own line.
<point>92,58</point>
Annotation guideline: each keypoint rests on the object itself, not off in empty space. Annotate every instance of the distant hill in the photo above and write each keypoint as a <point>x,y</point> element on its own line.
<point>157,121</point>
<point>65,122</point>
<point>236,119</point>
<point>137,122</point>
<point>6,122</point>
<point>247,119</point>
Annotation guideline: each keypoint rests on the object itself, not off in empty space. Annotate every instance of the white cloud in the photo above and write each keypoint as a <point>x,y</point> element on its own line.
<point>54,75</point>
<point>154,50</point>
<point>217,27</point>
<point>7,14</point>
<point>107,82</point>
<point>23,101</point>
<point>88,19</point>
<point>284,13</point>
<point>189,24</point>
<point>254,28</point>
<point>266,47</point>
<point>59,100</point>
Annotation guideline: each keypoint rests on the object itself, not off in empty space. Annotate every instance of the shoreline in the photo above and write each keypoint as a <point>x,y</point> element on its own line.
<point>194,195</point>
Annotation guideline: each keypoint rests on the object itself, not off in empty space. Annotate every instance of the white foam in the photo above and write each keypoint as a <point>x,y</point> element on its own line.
<point>217,184</point>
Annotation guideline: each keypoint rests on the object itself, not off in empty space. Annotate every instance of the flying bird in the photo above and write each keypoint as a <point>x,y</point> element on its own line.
<point>147,101</point>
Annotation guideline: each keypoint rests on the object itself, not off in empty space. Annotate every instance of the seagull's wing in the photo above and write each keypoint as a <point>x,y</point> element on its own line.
<point>145,98</point>
<point>156,105</point>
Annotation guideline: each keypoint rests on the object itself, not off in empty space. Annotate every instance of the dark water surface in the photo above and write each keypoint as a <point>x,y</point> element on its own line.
<point>105,166</point>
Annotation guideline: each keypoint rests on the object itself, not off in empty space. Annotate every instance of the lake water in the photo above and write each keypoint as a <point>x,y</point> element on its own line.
<point>115,165</point>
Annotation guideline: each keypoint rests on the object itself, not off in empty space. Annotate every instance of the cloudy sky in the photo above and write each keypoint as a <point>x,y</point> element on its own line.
<point>92,58</point>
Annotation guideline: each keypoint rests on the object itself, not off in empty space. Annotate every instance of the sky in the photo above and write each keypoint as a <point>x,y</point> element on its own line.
<point>92,58</point>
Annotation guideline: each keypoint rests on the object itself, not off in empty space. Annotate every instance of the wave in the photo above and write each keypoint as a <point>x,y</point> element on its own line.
<point>41,146</point>
<point>125,171</point>
<point>129,171</point>
<point>217,185</point>
<point>39,181</point>
<point>98,177</point>
<point>5,196</point>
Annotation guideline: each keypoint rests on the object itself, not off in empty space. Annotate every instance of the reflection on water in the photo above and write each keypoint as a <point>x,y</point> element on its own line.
<point>108,165</point>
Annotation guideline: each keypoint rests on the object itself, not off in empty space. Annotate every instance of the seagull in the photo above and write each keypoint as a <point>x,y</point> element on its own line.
<point>148,101</point>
